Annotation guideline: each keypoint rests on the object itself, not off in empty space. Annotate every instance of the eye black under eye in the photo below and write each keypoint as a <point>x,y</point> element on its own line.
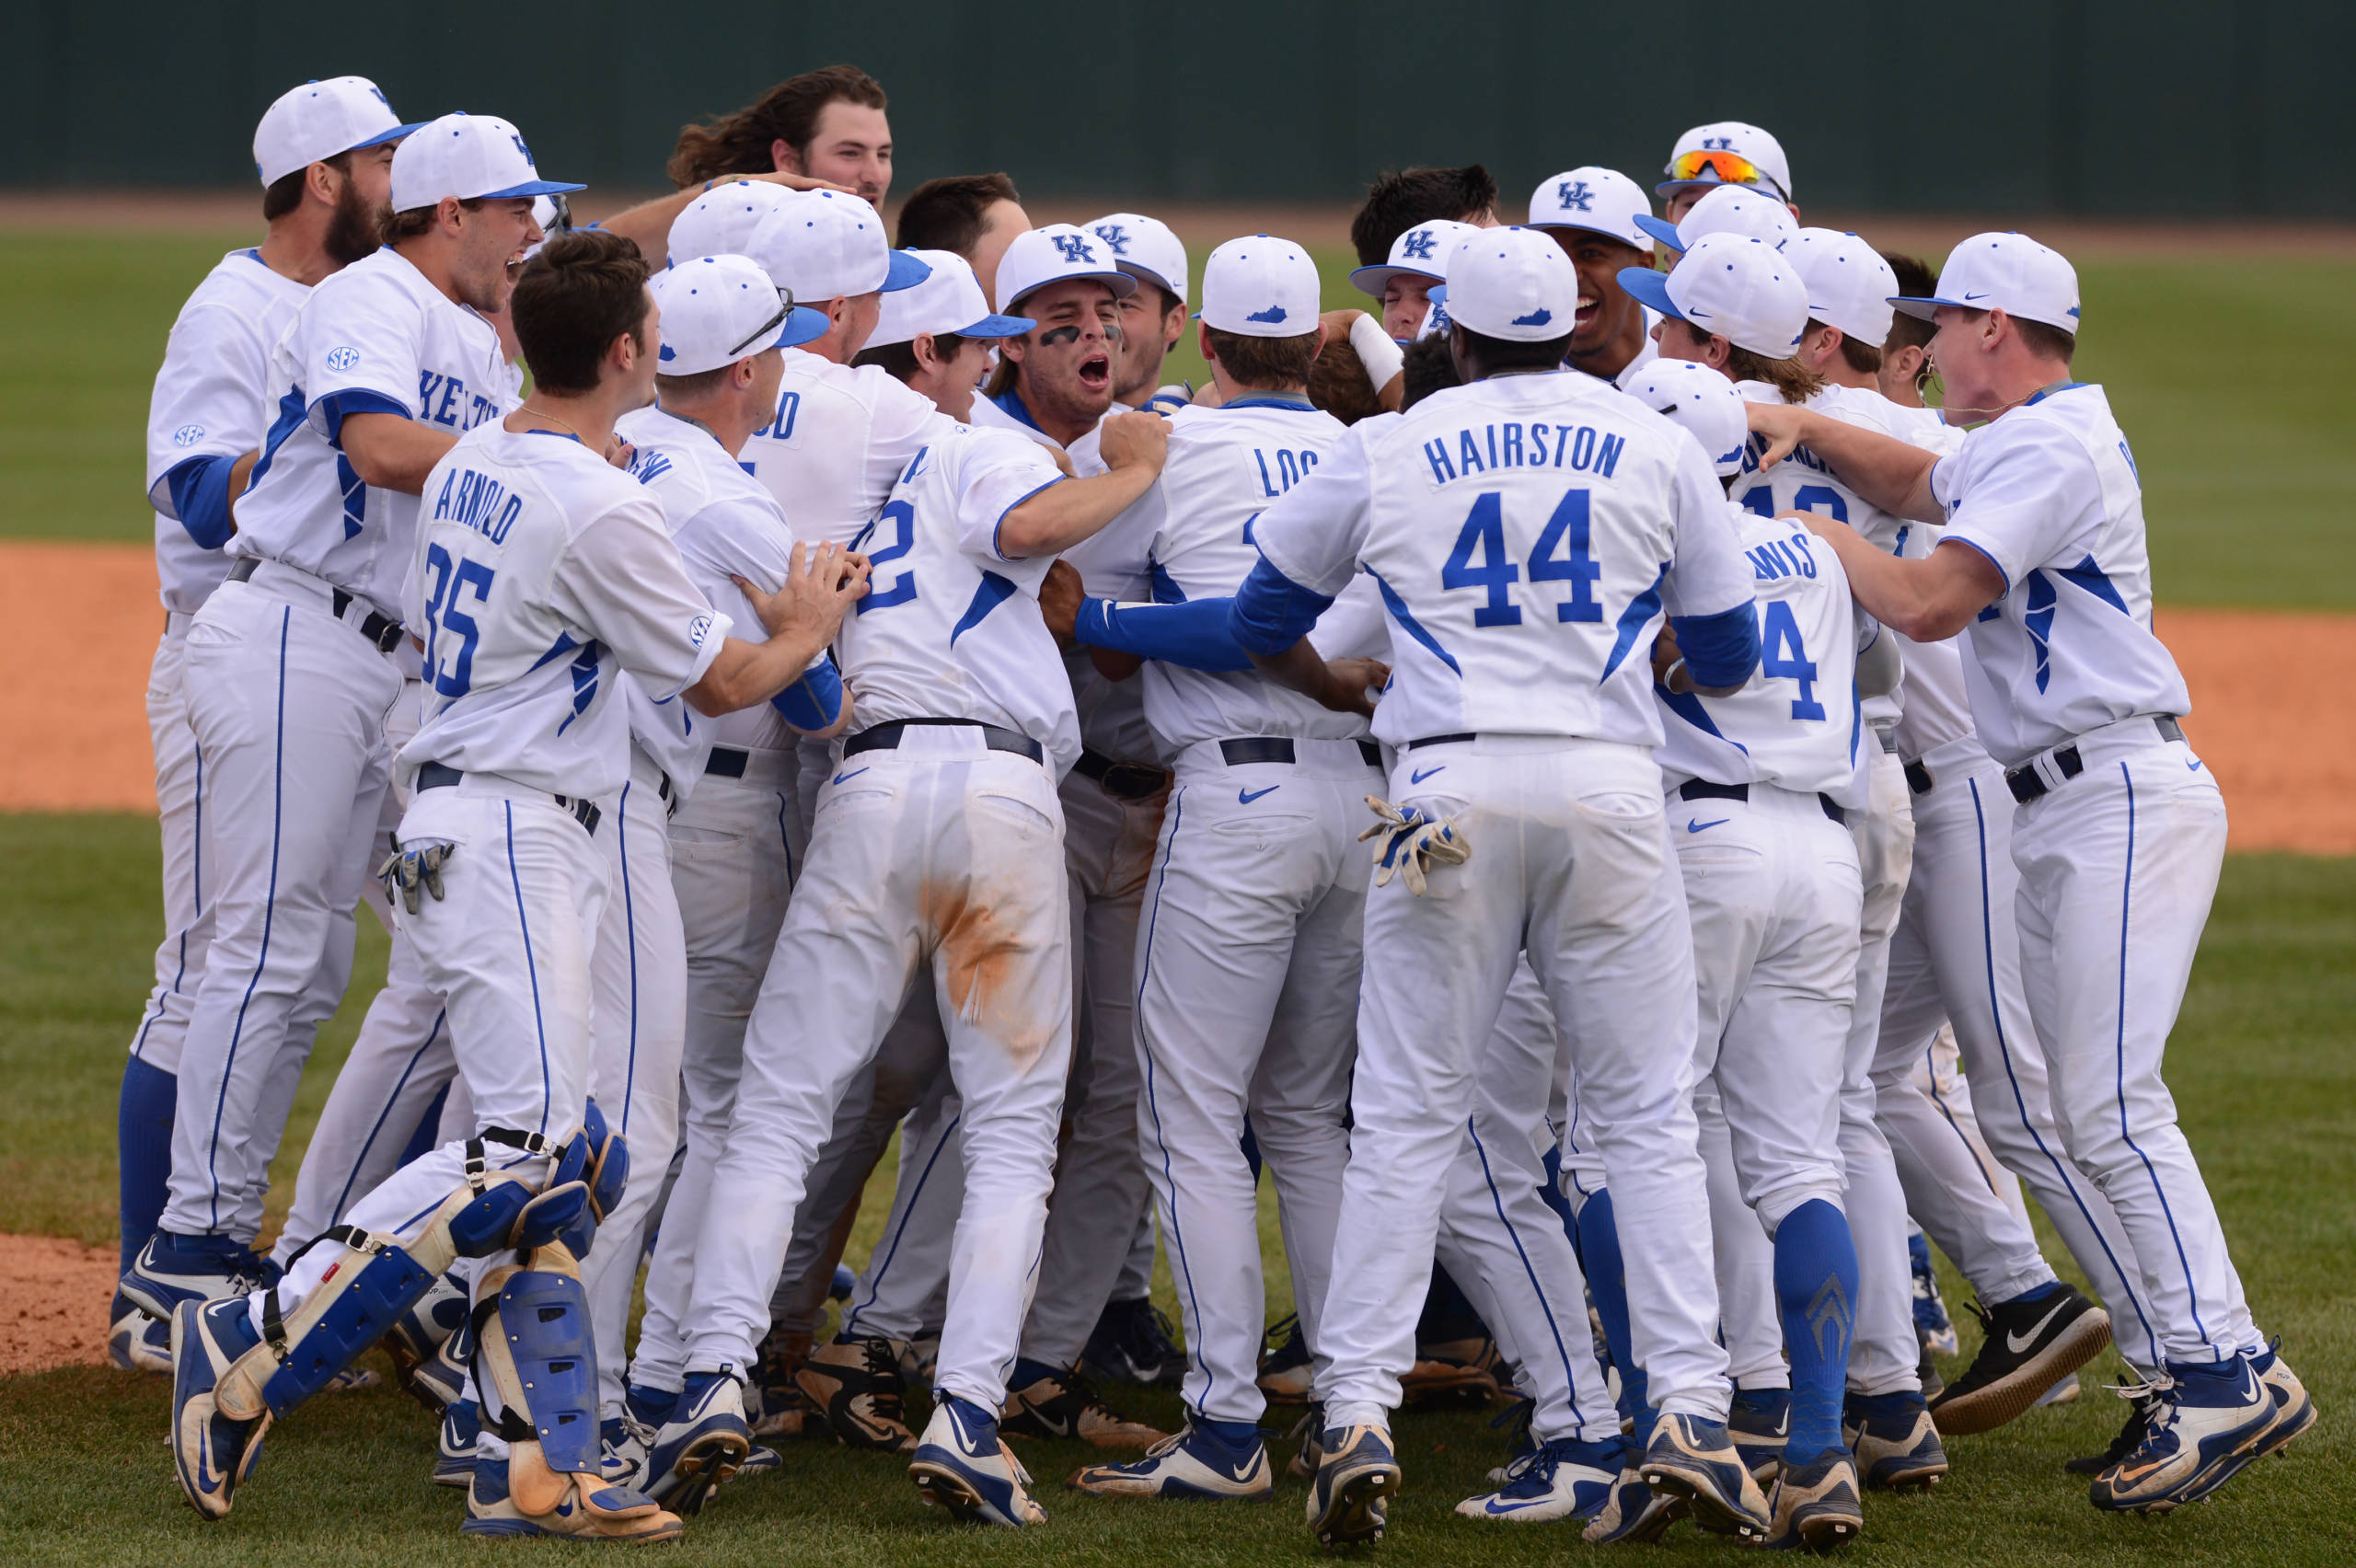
<point>1055,336</point>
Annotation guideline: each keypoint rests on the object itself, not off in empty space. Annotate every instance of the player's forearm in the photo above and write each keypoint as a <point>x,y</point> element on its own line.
<point>1062,515</point>
<point>392,452</point>
<point>648,224</point>
<point>1891,473</point>
<point>746,673</point>
<point>1926,600</point>
<point>1298,668</point>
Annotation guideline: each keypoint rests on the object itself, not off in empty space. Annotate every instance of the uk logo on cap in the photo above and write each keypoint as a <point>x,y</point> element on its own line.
<point>1074,247</point>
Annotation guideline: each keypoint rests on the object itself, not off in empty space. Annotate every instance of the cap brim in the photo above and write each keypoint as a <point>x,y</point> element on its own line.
<point>1925,308</point>
<point>1644,245</point>
<point>906,271</point>
<point>998,327</point>
<point>1147,275</point>
<point>395,134</point>
<point>1374,279</point>
<point>529,188</point>
<point>1121,283</point>
<point>1647,287</point>
<point>1662,230</point>
<point>803,325</point>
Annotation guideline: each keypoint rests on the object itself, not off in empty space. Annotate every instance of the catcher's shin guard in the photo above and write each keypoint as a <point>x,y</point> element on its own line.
<point>535,1348</point>
<point>364,1293</point>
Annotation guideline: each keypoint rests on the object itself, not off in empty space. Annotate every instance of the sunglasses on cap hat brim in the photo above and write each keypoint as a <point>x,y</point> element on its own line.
<point>1716,166</point>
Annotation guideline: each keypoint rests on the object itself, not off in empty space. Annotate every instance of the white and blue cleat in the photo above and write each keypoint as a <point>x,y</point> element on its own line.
<point>702,1444</point>
<point>454,1452</point>
<point>963,1465</point>
<point>2205,1428</point>
<point>1194,1462</point>
<point>213,1453</point>
<point>136,1339</point>
<point>582,1512</point>
<point>1634,1512</point>
<point>1349,1498</point>
<point>172,1269</point>
<point>1692,1457</point>
<point>1564,1479</point>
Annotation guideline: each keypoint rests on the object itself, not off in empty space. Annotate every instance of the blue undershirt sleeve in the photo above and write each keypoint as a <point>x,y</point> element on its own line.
<point>200,490</point>
<point>1721,649</point>
<point>1272,612</point>
<point>816,700</point>
<point>1194,634</point>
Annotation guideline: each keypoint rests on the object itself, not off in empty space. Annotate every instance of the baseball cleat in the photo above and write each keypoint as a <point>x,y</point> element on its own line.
<point>440,1379</point>
<point>1564,1479</point>
<point>1452,1374</point>
<point>1132,1343</point>
<point>786,1412</point>
<point>1692,1457</point>
<point>454,1452</point>
<point>1932,1324</point>
<point>857,1384</point>
<point>1515,1418</point>
<point>2066,1391</point>
<point>1194,1463</point>
<point>2294,1411</point>
<point>1896,1444</point>
<point>1349,1500</point>
<point>701,1444</point>
<point>2141,1402</point>
<point>211,1453</point>
<point>420,1333</point>
<point>963,1465</point>
<point>172,1269</point>
<point>623,1444</point>
<point>1634,1512</point>
<point>1815,1507</point>
<point>1308,1436</point>
<point>1066,1406</point>
<point>2028,1346</point>
<point>1284,1370</point>
<point>2204,1429</point>
<point>584,1513</point>
<point>772,1403</point>
<point>138,1341</point>
<point>759,1461</point>
<point>1758,1421</point>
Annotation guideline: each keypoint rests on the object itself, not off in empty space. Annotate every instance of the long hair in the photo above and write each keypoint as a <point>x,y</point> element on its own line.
<point>740,142</point>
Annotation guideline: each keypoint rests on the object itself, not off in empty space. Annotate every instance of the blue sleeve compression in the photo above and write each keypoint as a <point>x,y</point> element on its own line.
<point>816,700</point>
<point>200,490</point>
<point>1721,649</point>
<point>1272,612</point>
<point>1194,634</point>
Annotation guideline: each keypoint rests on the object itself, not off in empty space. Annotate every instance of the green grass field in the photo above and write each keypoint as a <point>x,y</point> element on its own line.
<point>2263,1070</point>
<point>2212,366</point>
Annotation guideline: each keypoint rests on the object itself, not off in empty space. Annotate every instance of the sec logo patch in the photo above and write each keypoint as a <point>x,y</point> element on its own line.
<point>343,358</point>
<point>698,629</point>
<point>187,435</point>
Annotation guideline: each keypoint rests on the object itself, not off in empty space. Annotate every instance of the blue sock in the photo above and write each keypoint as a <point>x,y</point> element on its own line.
<point>1599,1254</point>
<point>1027,1372</point>
<point>142,1135</point>
<point>975,1418</point>
<point>1815,1286</point>
<point>650,1406</point>
<point>2036,1293</point>
<point>1236,1436</point>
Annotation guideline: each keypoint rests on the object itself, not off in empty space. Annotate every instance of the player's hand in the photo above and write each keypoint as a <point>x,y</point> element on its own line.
<point>1060,596</point>
<point>1337,323</point>
<point>1666,657</point>
<point>821,585</point>
<point>1781,424</point>
<point>620,453</point>
<point>1136,440</point>
<point>1347,683</point>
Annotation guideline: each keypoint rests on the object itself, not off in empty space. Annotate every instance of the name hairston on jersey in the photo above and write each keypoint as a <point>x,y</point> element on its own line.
<point>1476,449</point>
<point>479,501</point>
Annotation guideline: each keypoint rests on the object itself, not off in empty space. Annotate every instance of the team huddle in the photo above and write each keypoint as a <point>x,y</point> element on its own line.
<point>1636,822</point>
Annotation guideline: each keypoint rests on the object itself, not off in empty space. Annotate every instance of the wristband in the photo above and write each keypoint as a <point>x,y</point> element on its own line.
<point>1381,357</point>
<point>1668,679</point>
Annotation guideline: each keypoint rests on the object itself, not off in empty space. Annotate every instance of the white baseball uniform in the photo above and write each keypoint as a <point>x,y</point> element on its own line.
<point>933,841</point>
<point>1884,1355</point>
<point>290,674</point>
<point>2068,686</point>
<point>1525,716</point>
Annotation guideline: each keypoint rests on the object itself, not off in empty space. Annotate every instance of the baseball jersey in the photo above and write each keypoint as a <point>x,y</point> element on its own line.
<point>1804,482</point>
<point>2048,493</point>
<point>543,573</point>
<point>212,401</point>
<point>1189,538</point>
<point>376,338</point>
<point>949,628</point>
<point>1647,351</point>
<point>838,440</point>
<point>725,524</point>
<point>1936,725</point>
<point>1525,534</point>
<point>1795,723</point>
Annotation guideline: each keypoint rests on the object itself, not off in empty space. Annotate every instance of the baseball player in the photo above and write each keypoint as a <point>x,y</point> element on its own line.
<point>529,540</point>
<point>1748,322</point>
<point>1153,317</point>
<point>1592,212</point>
<point>1763,779</point>
<point>1400,199</point>
<point>1247,967</point>
<point>293,664</point>
<point>976,215</point>
<point>1724,152</point>
<point>1523,735</point>
<point>324,151</point>
<point>938,840</point>
<point>1402,282</point>
<point>2118,824</point>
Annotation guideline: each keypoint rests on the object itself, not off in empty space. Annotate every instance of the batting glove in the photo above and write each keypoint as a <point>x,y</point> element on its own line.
<point>1412,843</point>
<point>406,870</point>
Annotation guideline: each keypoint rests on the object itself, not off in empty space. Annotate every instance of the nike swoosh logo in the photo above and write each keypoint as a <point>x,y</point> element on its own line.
<point>2193,768</point>
<point>1693,826</point>
<point>1422,774</point>
<point>853,774</point>
<point>1982,295</point>
<point>2018,1342</point>
<point>1246,797</point>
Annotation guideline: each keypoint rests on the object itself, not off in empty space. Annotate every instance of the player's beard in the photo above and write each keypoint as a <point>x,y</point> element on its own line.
<point>352,231</point>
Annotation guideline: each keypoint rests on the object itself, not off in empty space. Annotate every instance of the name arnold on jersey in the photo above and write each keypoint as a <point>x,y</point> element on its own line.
<point>1476,449</point>
<point>478,500</point>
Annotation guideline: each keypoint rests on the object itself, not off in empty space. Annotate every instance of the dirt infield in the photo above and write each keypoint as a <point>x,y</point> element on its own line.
<point>78,625</point>
<point>53,1303</point>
